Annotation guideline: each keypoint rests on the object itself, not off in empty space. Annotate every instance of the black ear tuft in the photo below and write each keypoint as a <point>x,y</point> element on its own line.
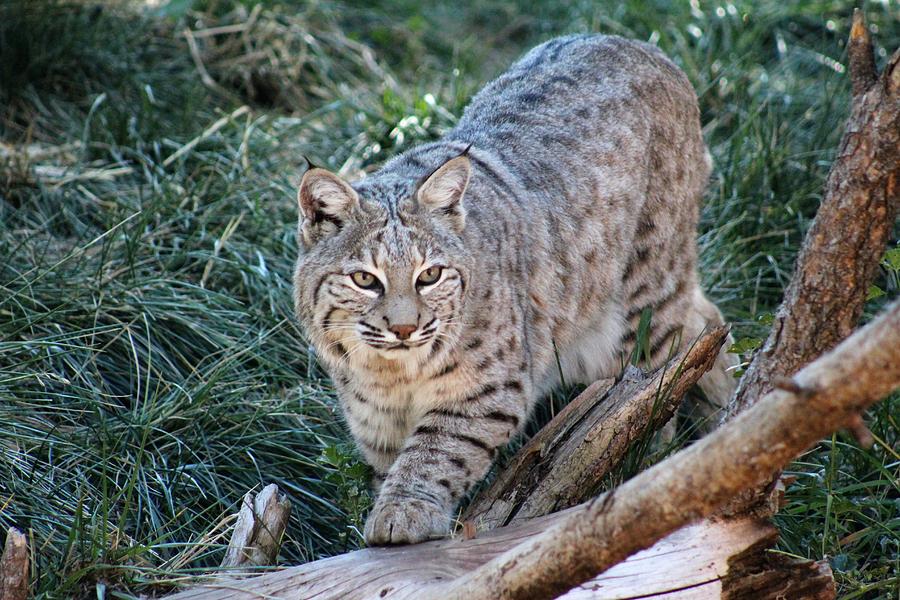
<point>310,165</point>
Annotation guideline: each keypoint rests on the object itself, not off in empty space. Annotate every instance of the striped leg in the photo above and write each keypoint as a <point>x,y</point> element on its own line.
<point>451,449</point>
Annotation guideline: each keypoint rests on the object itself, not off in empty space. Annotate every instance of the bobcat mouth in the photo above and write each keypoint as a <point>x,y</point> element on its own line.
<point>408,345</point>
<point>381,345</point>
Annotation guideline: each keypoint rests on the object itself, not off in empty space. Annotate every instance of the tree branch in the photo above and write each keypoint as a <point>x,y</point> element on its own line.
<point>840,253</point>
<point>565,462</point>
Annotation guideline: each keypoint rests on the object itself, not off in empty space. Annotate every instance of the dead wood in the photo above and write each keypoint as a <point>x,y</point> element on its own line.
<point>258,530</point>
<point>14,567</point>
<point>565,462</point>
<point>693,562</point>
<point>840,254</point>
<point>756,574</point>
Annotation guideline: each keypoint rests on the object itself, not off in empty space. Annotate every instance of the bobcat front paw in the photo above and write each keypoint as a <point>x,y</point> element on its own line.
<point>405,521</point>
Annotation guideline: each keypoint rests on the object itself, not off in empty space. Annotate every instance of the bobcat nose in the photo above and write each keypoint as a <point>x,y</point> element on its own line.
<point>402,331</point>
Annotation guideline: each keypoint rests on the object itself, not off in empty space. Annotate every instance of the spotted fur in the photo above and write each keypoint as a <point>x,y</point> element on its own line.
<point>563,204</point>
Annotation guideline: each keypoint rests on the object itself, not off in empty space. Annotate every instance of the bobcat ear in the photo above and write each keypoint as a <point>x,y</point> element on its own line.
<point>326,202</point>
<point>442,191</point>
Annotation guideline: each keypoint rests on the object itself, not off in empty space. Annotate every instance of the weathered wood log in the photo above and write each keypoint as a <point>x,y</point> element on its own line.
<point>705,560</point>
<point>840,254</point>
<point>564,463</point>
<point>14,567</point>
<point>258,531</point>
<point>550,555</point>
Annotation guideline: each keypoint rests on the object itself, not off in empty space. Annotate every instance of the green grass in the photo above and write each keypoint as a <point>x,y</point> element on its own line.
<point>151,371</point>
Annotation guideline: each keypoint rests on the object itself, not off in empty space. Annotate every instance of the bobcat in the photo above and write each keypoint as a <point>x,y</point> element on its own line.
<point>440,291</point>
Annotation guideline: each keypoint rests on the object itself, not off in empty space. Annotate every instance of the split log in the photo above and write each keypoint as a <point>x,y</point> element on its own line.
<point>550,555</point>
<point>14,567</point>
<point>258,531</point>
<point>841,251</point>
<point>565,462</point>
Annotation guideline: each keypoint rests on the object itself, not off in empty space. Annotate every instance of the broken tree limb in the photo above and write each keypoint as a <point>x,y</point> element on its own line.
<point>14,567</point>
<point>565,462</point>
<point>546,556</point>
<point>701,478</point>
<point>756,575</point>
<point>861,56</point>
<point>840,253</point>
<point>258,531</point>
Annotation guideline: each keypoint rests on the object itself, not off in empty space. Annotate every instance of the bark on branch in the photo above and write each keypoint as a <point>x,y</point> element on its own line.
<point>861,56</point>
<point>840,253</point>
<point>565,462</point>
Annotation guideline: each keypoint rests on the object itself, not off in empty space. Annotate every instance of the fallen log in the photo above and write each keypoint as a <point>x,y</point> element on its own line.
<point>704,560</point>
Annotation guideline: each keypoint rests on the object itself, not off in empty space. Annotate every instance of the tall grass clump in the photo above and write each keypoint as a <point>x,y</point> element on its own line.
<point>151,371</point>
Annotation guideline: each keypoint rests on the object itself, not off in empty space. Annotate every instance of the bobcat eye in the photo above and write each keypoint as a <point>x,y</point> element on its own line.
<point>429,276</point>
<point>365,280</point>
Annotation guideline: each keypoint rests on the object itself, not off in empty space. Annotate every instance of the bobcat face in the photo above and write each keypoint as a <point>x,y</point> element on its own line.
<point>370,283</point>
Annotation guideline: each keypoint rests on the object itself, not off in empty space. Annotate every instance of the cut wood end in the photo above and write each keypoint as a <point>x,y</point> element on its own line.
<point>259,528</point>
<point>14,539</point>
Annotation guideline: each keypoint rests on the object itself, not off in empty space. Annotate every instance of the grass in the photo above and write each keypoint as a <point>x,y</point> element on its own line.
<point>151,371</point>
